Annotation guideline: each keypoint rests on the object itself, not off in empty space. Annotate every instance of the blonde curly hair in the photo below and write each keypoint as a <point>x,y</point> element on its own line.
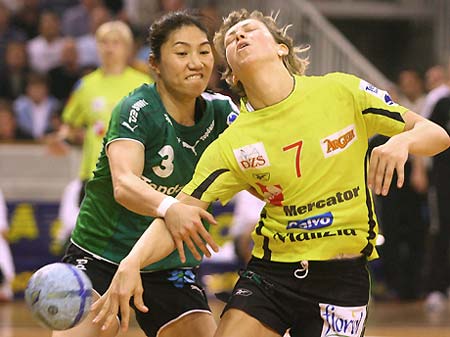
<point>292,61</point>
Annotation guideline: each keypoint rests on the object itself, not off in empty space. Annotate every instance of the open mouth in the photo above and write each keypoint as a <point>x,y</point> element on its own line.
<point>194,77</point>
<point>242,46</point>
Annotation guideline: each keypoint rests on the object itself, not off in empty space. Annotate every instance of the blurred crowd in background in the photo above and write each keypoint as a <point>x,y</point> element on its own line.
<point>46,46</point>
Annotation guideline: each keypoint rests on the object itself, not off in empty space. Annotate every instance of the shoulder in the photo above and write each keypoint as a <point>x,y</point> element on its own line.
<point>219,100</point>
<point>136,74</point>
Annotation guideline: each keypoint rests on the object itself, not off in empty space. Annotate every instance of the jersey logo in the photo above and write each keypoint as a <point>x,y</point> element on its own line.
<point>243,292</point>
<point>252,156</point>
<point>339,141</point>
<point>342,321</point>
<point>134,112</point>
<point>272,194</point>
<point>374,91</point>
<point>203,137</point>
<point>311,223</point>
<point>232,117</point>
<point>262,176</point>
<point>128,126</point>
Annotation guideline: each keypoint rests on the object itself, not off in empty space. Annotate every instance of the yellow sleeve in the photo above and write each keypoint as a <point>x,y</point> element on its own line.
<point>214,177</point>
<point>380,113</point>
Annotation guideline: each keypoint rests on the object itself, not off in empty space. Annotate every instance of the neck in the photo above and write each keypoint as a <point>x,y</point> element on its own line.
<point>265,87</point>
<point>180,108</point>
<point>113,68</point>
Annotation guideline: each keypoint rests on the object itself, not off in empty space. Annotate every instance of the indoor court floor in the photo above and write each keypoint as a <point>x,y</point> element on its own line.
<point>393,319</point>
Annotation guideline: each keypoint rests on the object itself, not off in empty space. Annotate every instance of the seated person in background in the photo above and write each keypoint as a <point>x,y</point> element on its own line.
<point>36,111</point>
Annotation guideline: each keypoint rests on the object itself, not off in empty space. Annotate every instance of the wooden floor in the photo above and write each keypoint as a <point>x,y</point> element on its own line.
<point>391,319</point>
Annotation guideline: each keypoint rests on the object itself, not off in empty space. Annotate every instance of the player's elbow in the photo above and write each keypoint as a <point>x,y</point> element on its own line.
<point>120,189</point>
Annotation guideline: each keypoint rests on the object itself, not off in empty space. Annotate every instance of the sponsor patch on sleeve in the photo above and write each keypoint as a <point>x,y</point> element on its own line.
<point>374,91</point>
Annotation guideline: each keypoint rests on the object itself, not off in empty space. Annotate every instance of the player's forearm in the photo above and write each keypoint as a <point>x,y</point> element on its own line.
<point>136,195</point>
<point>425,138</point>
<point>155,244</point>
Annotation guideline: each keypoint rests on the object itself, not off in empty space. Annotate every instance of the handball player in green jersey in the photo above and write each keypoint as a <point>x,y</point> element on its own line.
<point>300,143</point>
<point>155,137</point>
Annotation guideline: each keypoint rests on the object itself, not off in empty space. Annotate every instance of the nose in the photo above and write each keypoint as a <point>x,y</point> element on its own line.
<point>240,34</point>
<point>195,62</point>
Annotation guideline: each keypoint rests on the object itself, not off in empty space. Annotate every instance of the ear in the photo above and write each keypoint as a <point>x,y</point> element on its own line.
<point>153,64</point>
<point>234,79</point>
<point>283,50</point>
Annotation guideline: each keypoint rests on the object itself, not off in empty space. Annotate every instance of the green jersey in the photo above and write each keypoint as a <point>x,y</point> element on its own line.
<point>107,229</point>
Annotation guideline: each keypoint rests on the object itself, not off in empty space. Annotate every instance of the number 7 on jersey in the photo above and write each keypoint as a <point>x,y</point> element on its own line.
<point>297,145</point>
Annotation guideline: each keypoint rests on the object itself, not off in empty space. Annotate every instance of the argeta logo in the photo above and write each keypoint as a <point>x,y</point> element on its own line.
<point>338,141</point>
<point>243,292</point>
<point>252,156</point>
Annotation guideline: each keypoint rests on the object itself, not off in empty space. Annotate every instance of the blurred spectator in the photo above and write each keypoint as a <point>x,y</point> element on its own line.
<point>36,111</point>
<point>7,272</point>
<point>13,74</point>
<point>439,198</point>
<point>8,125</point>
<point>44,51</point>
<point>86,45</point>
<point>141,13</point>
<point>436,82</point>
<point>27,18</point>
<point>96,94</point>
<point>401,212</point>
<point>412,93</point>
<point>75,21</point>
<point>63,78</point>
<point>7,32</point>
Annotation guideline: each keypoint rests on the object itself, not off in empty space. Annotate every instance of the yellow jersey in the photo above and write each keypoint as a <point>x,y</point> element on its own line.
<point>306,156</point>
<point>91,104</point>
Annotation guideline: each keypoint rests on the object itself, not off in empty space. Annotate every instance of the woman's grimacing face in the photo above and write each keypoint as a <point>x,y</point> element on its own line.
<point>186,61</point>
<point>249,41</point>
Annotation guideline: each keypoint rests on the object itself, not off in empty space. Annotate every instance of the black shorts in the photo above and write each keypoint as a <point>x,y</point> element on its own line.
<point>330,300</point>
<point>168,294</point>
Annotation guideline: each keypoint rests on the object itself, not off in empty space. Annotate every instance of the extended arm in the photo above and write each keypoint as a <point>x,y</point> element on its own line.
<point>420,137</point>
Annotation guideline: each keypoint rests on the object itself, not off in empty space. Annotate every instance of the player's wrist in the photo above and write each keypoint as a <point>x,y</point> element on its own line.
<point>167,202</point>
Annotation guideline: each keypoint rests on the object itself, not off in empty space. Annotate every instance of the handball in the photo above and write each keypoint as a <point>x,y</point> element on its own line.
<point>59,296</point>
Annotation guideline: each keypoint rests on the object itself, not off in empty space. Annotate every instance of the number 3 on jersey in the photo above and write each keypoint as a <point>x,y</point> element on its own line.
<point>165,169</point>
<point>297,145</point>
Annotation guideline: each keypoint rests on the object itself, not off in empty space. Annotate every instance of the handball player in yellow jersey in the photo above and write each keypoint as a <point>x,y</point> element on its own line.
<point>300,143</point>
<point>96,94</point>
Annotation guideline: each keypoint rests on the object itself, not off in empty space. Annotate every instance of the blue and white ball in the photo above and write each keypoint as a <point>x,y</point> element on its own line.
<point>59,296</point>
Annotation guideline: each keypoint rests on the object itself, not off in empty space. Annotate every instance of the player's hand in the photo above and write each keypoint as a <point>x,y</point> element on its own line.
<point>386,159</point>
<point>185,224</point>
<point>55,145</point>
<point>125,283</point>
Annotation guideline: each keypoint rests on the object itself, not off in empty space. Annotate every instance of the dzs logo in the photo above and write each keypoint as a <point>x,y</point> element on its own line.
<point>252,156</point>
<point>311,223</point>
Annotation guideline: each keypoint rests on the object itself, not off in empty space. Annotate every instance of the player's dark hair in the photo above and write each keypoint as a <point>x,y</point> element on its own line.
<point>160,30</point>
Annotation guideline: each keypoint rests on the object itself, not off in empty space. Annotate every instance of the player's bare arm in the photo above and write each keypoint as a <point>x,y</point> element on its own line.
<point>155,244</point>
<point>126,159</point>
<point>420,137</point>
